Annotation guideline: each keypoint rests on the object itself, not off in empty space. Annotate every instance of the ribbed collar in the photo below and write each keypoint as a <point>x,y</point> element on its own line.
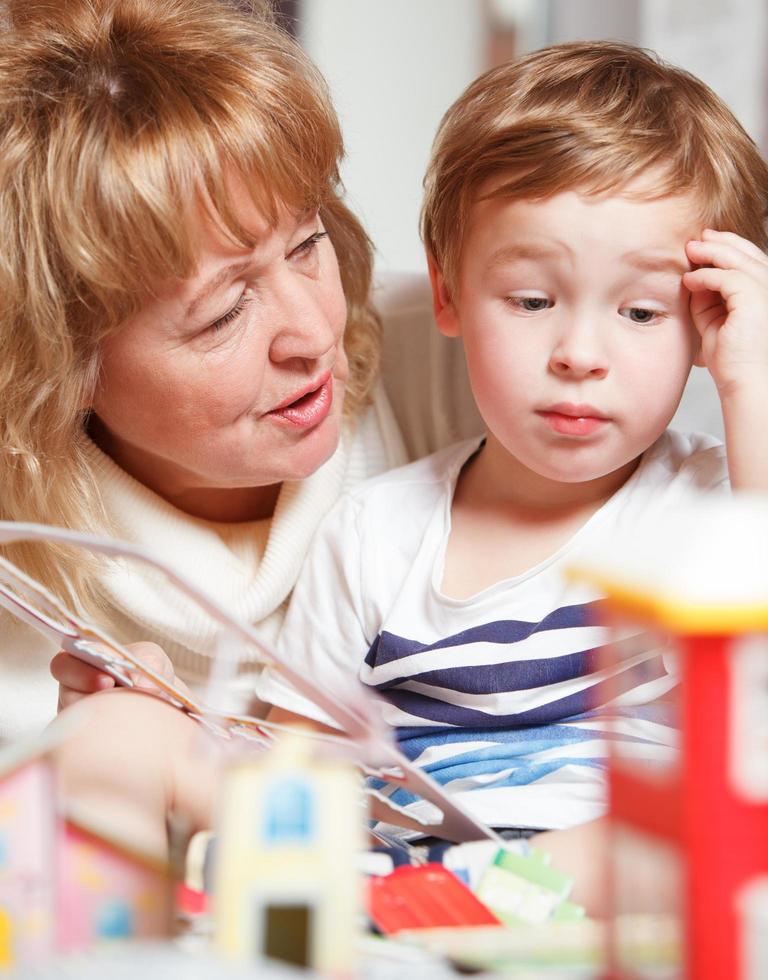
<point>194,547</point>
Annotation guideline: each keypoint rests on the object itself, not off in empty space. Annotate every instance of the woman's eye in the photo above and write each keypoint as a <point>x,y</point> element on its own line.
<point>639,314</point>
<point>530,304</point>
<point>233,314</point>
<point>309,244</point>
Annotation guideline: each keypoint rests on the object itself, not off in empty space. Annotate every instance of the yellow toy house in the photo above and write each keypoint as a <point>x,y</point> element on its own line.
<point>286,881</point>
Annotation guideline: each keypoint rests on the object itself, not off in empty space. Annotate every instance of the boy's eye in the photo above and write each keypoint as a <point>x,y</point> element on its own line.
<point>530,304</point>
<point>639,314</point>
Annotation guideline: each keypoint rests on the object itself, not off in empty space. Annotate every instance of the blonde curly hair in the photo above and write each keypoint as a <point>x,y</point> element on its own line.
<point>113,115</point>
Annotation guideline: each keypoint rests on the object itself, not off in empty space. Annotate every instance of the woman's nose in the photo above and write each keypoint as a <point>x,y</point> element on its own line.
<point>304,327</point>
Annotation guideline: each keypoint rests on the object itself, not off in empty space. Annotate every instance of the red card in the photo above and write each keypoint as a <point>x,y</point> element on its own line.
<point>422,898</point>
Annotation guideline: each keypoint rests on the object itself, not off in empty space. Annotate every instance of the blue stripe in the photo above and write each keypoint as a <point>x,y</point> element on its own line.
<point>511,741</point>
<point>521,776</point>
<point>515,675</point>
<point>388,647</point>
<point>661,712</point>
<point>434,710</point>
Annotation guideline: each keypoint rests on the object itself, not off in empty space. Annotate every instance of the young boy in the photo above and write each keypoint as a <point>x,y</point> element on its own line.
<point>568,220</point>
<point>567,207</point>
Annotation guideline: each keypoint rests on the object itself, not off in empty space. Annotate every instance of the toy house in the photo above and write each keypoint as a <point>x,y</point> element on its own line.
<point>107,890</point>
<point>693,832</point>
<point>28,849</point>
<point>63,886</point>
<point>286,884</point>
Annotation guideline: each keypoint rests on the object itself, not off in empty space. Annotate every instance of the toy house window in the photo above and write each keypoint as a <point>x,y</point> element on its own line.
<point>289,815</point>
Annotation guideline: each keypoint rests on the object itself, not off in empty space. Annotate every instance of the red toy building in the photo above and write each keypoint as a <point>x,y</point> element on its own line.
<point>689,855</point>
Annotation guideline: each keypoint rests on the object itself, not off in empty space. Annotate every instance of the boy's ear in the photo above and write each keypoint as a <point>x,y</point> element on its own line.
<point>442,303</point>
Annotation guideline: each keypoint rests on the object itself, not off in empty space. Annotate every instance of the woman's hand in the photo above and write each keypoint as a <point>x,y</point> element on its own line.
<point>77,679</point>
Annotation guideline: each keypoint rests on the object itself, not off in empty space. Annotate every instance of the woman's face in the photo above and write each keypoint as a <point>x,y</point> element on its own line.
<point>231,381</point>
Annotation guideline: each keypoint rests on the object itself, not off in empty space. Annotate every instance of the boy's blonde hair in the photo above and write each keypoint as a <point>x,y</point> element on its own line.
<point>113,115</point>
<point>591,116</point>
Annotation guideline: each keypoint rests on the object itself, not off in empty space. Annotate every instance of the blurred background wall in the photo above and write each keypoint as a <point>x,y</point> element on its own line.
<point>394,66</point>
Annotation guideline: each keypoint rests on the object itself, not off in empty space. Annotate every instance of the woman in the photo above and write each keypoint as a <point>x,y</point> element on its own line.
<point>189,349</point>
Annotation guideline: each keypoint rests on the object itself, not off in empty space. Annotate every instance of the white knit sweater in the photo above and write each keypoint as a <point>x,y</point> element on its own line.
<point>251,567</point>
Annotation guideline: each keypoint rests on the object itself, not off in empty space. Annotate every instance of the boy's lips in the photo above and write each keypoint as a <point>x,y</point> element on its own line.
<point>308,406</point>
<point>571,419</point>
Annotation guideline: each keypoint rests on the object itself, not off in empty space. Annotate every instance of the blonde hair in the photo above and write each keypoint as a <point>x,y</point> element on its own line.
<point>591,116</point>
<point>113,115</point>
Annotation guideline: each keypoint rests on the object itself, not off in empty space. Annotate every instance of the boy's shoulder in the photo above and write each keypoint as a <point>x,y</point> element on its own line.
<point>388,515</point>
<point>429,476</point>
<point>696,457</point>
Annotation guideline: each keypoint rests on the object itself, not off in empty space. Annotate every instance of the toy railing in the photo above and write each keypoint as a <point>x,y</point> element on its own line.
<point>353,707</point>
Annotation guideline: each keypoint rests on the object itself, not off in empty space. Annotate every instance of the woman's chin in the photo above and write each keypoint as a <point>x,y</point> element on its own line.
<point>314,450</point>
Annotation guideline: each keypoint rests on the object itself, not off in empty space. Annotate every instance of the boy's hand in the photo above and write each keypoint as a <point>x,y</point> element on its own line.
<point>729,307</point>
<point>77,679</point>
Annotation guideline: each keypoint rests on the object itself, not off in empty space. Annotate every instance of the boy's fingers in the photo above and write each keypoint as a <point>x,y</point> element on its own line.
<point>728,282</point>
<point>742,244</point>
<point>726,255</point>
<point>78,676</point>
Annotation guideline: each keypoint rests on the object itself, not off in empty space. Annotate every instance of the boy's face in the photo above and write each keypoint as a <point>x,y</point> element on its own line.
<point>575,325</point>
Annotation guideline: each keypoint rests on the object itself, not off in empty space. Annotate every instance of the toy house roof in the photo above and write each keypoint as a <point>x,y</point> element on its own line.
<point>85,824</point>
<point>698,567</point>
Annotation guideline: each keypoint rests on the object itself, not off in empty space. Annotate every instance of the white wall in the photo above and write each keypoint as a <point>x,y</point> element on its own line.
<point>723,42</point>
<point>394,67</point>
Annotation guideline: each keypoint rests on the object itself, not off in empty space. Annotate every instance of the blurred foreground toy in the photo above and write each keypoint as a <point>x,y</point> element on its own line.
<point>691,836</point>
<point>286,884</point>
<point>64,885</point>
<point>424,897</point>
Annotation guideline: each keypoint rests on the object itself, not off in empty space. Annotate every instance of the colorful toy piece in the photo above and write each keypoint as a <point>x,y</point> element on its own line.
<point>424,897</point>
<point>524,889</point>
<point>286,884</point>
<point>696,580</point>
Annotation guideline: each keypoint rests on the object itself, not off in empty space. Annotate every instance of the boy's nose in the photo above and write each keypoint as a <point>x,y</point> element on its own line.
<point>578,354</point>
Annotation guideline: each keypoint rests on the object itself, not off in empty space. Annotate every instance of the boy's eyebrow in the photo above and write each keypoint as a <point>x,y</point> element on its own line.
<point>527,250</point>
<point>641,259</point>
<point>657,262</point>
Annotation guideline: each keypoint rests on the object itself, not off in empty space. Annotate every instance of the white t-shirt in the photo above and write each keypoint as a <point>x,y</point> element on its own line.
<point>496,695</point>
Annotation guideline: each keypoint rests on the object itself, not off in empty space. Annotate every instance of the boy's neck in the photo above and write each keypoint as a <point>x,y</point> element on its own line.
<point>505,519</point>
<point>496,479</point>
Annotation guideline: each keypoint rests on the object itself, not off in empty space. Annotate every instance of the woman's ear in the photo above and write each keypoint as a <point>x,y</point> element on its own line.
<point>443,307</point>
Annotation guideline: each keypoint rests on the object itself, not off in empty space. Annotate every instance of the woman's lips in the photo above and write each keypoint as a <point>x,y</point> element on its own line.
<point>308,409</point>
<point>573,420</point>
